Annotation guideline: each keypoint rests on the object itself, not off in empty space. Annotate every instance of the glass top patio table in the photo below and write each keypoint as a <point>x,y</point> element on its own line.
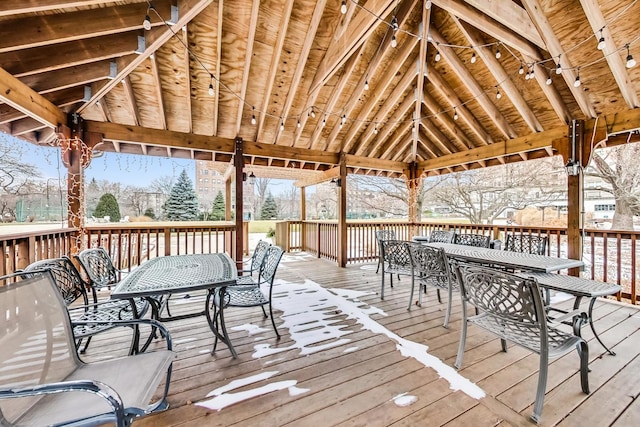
<point>167,275</point>
<point>507,259</point>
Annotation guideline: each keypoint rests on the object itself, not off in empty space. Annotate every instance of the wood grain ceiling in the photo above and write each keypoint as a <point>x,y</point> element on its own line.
<point>321,83</point>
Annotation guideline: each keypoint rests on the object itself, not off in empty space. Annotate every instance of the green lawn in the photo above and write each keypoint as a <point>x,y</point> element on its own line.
<point>261,226</point>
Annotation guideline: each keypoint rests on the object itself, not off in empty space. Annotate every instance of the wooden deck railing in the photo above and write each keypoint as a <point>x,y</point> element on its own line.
<point>128,244</point>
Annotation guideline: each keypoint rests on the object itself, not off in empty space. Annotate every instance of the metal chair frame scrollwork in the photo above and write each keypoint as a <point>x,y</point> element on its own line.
<point>396,259</point>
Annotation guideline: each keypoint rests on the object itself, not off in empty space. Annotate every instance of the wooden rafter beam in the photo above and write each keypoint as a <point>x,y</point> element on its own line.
<point>473,86</point>
<point>555,49</point>
<point>24,99</point>
<point>155,74</point>
<point>155,38</point>
<point>187,82</point>
<point>421,66</point>
<point>15,7</point>
<point>321,177</point>
<point>599,27</point>
<point>131,100</point>
<point>459,140</point>
<point>248,57</point>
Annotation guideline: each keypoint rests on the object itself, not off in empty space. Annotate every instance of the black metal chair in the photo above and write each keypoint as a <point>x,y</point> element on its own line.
<point>43,380</point>
<point>441,236</point>
<point>511,307</point>
<point>255,262</point>
<point>380,236</point>
<point>470,239</point>
<point>396,259</point>
<point>431,268</point>
<point>526,243</point>
<point>72,287</point>
<point>99,268</point>
<point>248,291</point>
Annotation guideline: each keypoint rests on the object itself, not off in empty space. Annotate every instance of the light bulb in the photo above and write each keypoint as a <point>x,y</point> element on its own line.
<point>324,122</point>
<point>281,126</point>
<point>437,58</point>
<point>146,24</point>
<point>375,130</point>
<point>394,42</point>
<point>630,61</point>
<point>559,68</point>
<point>455,114</point>
<point>521,70</point>
<point>343,7</point>
<point>427,4</point>
<point>253,119</point>
<point>366,85</point>
<point>577,83</point>
<point>210,89</point>
<point>498,94</point>
<point>601,43</point>
<point>549,81</point>
<point>526,76</point>
<point>299,124</point>
<point>394,24</point>
<point>473,58</point>
<point>344,119</point>
<point>498,54</point>
<point>312,113</point>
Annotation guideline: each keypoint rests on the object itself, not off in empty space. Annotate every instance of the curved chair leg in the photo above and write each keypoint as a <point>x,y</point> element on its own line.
<point>463,339</point>
<point>382,286</point>
<point>273,321</point>
<point>447,315</point>
<point>439,298</point>
<point>542,386</point>
<point>413,282</point>
<point>264,312</point>
<point>86,344</point>
<point>583,352</point>
<point>503,344</point>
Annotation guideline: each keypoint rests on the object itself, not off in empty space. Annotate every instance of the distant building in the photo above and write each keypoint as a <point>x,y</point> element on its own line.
<point>208,182</point>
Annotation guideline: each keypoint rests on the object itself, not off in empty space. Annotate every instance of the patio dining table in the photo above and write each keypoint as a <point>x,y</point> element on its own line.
<point>160,277</point>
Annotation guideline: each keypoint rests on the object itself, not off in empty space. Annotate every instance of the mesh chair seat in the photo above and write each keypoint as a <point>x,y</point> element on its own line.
<point>245,296</point>
<point>396,259</point>
<point>526,243</point>
<point>106,312</point>
<point>469,239</point>
<point>256,259</point>
<point>441,236</point>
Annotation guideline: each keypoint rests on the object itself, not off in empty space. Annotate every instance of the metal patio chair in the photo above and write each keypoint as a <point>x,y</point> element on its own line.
<point>526,243</point>
<point>431,268</point>
<point>470,239</point>
<point>380,236</point>
<point>511,307</point>
<point>251,292</point>
<point>396,259</point>
<point>72,287</point>
<point>44,382</point>
<point>256,259</point>
<point>441,236</point>
<point>99,268</point>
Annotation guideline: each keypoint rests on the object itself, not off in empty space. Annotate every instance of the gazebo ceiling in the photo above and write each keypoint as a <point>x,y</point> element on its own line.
<point>308,86</point>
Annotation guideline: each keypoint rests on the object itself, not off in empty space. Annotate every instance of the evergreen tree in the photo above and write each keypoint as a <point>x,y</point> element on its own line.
<point>269,208</point>
<point>182,204</point>
<point>217,212</point>
<point>108,206</point>
<point>149,213</point>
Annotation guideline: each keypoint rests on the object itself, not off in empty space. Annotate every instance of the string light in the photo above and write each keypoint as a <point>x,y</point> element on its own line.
<point>253,116</point>
<point>146,24</point>
<point>601,42</point>
<point>521,70</point>
<point>394,24</point>
<point>498,94</point>
<point>312,113</point>
<point>559,66</point>
<point>498,54</point>
<point>375,129</point>
<point>577,82</point>
<point>211,85</point>
<point>630,61</point>
<point>281,126</point>
<point>437,58</point>
<point>473,58</point>
<point>366,85</point>
<point>343,7</point>
<point>427,4</point>
<point>549,81</point>
<point>455,114</point>
<point>324,121</point>
<point>394,42</point>
<point>299,124</point>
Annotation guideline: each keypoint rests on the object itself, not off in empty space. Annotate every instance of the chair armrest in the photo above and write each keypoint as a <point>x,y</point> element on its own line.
<point>117,323</point>
<point>96,387</point>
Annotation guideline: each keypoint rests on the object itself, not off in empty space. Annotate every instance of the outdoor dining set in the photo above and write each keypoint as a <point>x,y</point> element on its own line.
<point>509,289</point>
<point>51,318</point>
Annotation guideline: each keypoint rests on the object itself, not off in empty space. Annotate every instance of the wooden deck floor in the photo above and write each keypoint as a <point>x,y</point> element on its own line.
<point>357,381</point>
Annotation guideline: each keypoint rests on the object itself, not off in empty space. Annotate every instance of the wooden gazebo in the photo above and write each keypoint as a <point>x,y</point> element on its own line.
<point>333,87</point>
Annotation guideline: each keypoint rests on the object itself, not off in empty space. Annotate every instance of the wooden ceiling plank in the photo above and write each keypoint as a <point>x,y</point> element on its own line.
<point>366,147</point>
<point>216,83</point>
<point>274,67</point>
<point>509,14</point>
<point>155,38</point>
<point>300,67</point>
<point>248,58</point>
<point>474,87</point>
<point>187,89</point>
<point>335,96</point>
<point>436,138</point>
<point>555,49</point>
<point>21,97</point>
<point>421,65</point>
<point>399,135</point>
<point>441,85</point>
<point>15,7</point>
<point>396,63</point>
<point>33,31</point>
<point>610,52</point>
<point>550,91</point>
<point>26,125</point>
<point>503,79</point>
<point>359,30</point>
<point>460,140</point>
<point>131,100</point>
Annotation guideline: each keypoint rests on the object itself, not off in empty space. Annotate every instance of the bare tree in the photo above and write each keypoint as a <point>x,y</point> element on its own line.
<point>15,176</point>
<point>260,187</point>
<point>618,167</point>
<point>483,194</point>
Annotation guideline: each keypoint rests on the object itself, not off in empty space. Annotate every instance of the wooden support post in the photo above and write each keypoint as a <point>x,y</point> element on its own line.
<point>239,164</point>
<point>342,213</point>
<point>413,184</point>
<point>574,195</point>
<point>303,217</point>
<point>227,200</point>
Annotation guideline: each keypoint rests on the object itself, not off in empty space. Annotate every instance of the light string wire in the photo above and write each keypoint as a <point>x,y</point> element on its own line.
<point>378,124</point>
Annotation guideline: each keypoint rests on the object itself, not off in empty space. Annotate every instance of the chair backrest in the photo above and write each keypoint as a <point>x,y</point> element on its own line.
<point>270,264</point>
<point>429,262</point>
<point>259,254</point>
<point>98,266</point>
<point>441,236</point>
<point>36,341</point>
<point>385,235</point>
<point>526,243</point>
<point>396,255</point>
<point>511,298</point>
<point>66,277</point>
<point>470,239</point>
